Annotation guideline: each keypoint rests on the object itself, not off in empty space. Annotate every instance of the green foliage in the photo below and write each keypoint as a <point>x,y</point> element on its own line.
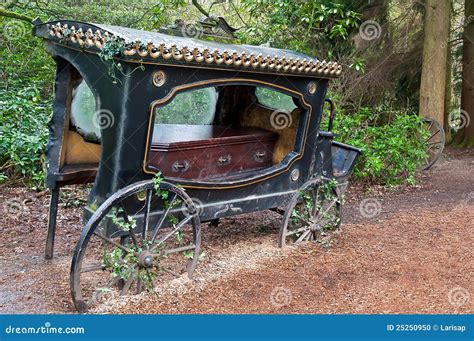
<point>358,65</point>
<point>298,25</point>
<point>122,265</point>
<point>274,99</point>
<point>23,133</point>
<point>27,76</point>
<point>157,179</point>
<point>26,79</point>
<point>124,223</point>
<point>191,107</point>
<point>391,142</point>
<point>113,48</point>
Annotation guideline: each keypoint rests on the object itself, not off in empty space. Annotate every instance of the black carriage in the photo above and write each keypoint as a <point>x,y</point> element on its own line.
<point>175,132</point>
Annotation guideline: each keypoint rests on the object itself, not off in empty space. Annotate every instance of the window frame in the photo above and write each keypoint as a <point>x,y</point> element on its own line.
<point>273,107</point>
<point>261,175</point>
<point>189,91</point>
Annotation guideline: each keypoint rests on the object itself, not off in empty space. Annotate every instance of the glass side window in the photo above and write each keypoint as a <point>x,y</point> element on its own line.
<point>274,99</point>
<point>83,109</point>
<point>196,107</point>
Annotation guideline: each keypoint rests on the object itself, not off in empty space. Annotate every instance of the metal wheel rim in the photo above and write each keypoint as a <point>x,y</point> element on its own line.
<point>283,234</point>
<point>435,142</point>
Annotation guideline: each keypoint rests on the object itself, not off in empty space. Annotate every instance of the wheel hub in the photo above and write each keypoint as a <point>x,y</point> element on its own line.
<point>145,259</point>
<point>314,226</point>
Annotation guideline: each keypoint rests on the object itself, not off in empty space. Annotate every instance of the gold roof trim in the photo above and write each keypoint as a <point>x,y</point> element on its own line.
<point>97,39</point>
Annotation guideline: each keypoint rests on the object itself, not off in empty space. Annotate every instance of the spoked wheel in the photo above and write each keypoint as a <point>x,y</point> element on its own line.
<point>143,235</point>
<point>312,213</point>
<point>434,144</point>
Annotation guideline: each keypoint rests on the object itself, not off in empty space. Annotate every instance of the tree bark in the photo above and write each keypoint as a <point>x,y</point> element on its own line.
<point>448,86</point>
<point>435,52</point>
<point>465,136</point>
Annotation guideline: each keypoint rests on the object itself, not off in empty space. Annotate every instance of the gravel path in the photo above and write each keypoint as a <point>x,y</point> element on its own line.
<point>400,252</point>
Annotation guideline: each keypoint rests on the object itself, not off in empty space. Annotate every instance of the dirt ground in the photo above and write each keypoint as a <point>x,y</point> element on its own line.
<point>405,251</point>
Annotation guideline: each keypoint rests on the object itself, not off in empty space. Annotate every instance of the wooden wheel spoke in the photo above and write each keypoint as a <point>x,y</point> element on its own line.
<point>321,215</point>
<point>434,143</point>
<point>325,222</point>
<point>139,285</point>
<point>433,146</point>
<point>312,236</point>
<point>171,272</point>
<point>301,218</point>
<point>114,281</point>
<point>316,206</point>
<point>324,211</point>
<point>127,221</point>
<point>181,249</point>
<point>147,213</point>
<point>433,135</point>
<point>162,218</point>
<point>116,260</point>
<point>94,267</point>
<point>127,285</point>
<point>110,241</point>
<point>431,125</point>
<point>303,236</point>
<point>173,231</point>
<point>301,229</point>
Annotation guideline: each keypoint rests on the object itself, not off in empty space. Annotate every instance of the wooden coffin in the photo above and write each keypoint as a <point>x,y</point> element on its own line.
<point>207,151</point>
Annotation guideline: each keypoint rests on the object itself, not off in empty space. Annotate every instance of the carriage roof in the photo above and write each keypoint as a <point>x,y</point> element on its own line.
<point>159,48</point>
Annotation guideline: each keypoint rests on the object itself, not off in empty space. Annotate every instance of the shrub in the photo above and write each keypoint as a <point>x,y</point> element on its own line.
<point>391,143</point>
<point>23,133</point>
<point>26,75</point>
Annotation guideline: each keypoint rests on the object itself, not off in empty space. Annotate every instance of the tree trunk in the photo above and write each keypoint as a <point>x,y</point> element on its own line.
<point>465,136</point>
<point>435,51</point>
<point>448,87</point>
<point>448,100</point>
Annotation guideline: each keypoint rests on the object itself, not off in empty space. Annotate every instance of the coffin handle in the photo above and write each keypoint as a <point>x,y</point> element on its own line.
<point>223,160</point>
<point>184,166</point>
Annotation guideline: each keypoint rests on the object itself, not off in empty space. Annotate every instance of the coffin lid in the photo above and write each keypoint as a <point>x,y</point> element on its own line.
<point>159,48</point>
<point>179,137</point>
